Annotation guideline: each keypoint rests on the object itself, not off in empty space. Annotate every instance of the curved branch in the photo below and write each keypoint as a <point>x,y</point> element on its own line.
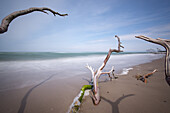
<point>143,78</point>
<point>92,71</point>
<point>96,94</point>
<point>111,71</point>
<point>110,51</point>
<point>7,20</point>
<point>119,43</point>
<point>167,40</point>
<point>166,44</point>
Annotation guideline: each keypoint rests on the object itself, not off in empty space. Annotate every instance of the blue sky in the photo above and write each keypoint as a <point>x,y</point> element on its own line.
<point>90,26</point>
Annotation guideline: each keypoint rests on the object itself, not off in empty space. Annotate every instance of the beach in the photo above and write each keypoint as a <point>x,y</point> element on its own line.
<point>49,86</point>
<point>128,95</point>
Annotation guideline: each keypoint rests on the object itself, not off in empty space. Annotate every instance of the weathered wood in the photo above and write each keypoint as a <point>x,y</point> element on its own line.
<point>75,106</point>
<point>110,51</point>
<point>7,20</point>
<point>147,75</point>
<point>111,71</point>
<point>98,73</point>
<point>166,44</point>
<point>143,78</point>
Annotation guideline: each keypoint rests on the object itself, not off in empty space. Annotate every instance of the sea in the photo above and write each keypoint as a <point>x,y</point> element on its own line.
<point>22,69</point>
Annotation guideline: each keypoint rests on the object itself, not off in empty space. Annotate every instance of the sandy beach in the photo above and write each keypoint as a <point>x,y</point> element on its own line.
<point>54,94</point>
<point>128,95</point>
<point>84,56</point>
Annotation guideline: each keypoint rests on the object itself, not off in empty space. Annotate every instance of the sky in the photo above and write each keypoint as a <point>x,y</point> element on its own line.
<point>89,27</point>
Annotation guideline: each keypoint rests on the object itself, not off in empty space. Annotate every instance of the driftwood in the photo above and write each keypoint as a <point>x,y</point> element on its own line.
<point>143,78</point>
<point>7,20</point>
<point>96,74</point>
<point>93,84</point>
<point>166,44</point>
<point>75,106</point>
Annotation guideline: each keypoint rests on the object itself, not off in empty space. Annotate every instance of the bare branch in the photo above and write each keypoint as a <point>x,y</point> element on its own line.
<point>167,40</point>
<point>111,71</point>
<point>119,43</point>
<point>110,51</point>
<point>91,69</point>
<point>105,73</point>
<point>98,73</point>
<point>156,41</point>
<point>147,75</point>
<point>7,20</point>
<point>143,78</point>
<point>166,44</point>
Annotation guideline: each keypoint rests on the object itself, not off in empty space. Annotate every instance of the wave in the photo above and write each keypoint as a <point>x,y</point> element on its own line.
<point>126,71</point>
<point>26,56</point>
<point>14,74</point>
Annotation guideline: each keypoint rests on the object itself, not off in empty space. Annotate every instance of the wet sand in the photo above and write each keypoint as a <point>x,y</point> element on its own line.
<point>53,95</point>
<point>124,95</point>
<point>128,95</point>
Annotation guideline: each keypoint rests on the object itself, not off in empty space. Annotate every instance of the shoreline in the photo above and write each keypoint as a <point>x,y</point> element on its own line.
<point>128,95</point>
<point>48,97</point>
<point>56,94</point>
<point>20,74</point>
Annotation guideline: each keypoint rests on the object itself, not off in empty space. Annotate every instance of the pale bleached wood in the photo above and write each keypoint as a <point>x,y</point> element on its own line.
<point>147,75</point>
<point>7,20</point>
<point>166,44</point>
<point>98,73</point>
<point>109,73</point>
<point>92,71</point>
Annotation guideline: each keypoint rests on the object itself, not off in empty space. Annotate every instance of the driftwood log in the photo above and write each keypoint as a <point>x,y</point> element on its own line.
<point>7,20</point>
<point>143,78</point>
<point>166,44</point>
<point>75,106</point>
<point>96,74</point>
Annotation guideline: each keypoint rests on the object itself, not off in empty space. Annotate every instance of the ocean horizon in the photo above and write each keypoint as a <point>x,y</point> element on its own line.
<point>26,56</point>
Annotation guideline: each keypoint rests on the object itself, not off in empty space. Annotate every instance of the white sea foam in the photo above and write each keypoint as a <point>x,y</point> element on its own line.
<point>125,71</point>
<point>18,74</point>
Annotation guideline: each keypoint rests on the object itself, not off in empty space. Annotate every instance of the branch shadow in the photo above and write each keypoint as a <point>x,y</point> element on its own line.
<point>115,108</point>
<point>90,82</point>
<point>103,81</point>
<point>24,100</point>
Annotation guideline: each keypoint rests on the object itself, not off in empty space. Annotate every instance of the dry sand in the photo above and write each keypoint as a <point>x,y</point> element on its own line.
<point>124,95</point>
<point>128,95</point>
